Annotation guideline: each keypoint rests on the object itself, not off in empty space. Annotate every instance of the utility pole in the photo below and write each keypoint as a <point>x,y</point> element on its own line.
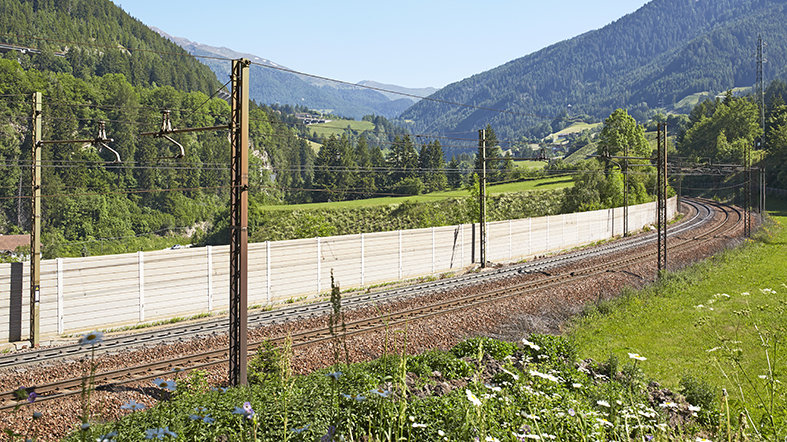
<point>239,221</point>
<point>747,192</point>
<point>761,82</point>
<point>661,160</point>
<point>482,194</point>
<point>35,228</point>
<point>626,191</point>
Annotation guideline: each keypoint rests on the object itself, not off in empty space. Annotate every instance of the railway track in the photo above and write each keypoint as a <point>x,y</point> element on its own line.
<point>702,213</point>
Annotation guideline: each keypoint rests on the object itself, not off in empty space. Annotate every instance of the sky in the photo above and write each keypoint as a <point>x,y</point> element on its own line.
<point>412,43</point>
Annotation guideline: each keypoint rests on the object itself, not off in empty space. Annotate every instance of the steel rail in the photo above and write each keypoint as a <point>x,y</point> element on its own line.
<point>115,378</point>
<point>264,318</point>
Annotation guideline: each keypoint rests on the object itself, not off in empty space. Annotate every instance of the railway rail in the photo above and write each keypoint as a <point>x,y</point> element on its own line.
<point>701,214</point>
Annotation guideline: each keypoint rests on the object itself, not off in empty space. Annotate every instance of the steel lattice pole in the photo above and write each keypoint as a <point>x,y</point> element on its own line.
<point>239,204</point>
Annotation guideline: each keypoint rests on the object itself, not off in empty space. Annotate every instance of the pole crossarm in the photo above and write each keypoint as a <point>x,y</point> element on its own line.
<point>167,130</point>
<point>100,141</point>
<point>182,131</point>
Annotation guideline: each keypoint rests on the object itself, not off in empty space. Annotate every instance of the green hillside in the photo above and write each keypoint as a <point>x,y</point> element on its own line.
<point>97,38</point>
<point>652,58</point>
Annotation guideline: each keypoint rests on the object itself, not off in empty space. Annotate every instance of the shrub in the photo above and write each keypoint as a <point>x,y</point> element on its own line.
<point>492,347</point>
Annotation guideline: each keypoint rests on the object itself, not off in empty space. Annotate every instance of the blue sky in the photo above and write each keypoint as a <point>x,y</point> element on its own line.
<point>407,42</point>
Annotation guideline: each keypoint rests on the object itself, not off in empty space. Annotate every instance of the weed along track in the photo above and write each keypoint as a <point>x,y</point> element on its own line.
<point>434,314</point>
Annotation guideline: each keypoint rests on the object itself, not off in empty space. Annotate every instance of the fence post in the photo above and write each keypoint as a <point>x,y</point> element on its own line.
<point>59,296</point>
<point>546,248</point>
<point>400,255</point>
<point>510,242</point>
<point>562,231</point>
<point>268,271</point>
<point>462,239</point>
<point>141,276</point>
<point>363,260</point>
<point>529,236</point>
<point>433,252</point>
<point>209,250</point>
<point>319,266</point>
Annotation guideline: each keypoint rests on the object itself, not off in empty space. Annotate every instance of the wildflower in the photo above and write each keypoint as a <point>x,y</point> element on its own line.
<point>159,433</point>
<point>531,344</point>
<point>577,385</point>
<point>32,397</point>
<point>92,338</point>
<point>711,350</point>
<point>164,384</point>
<point>544,376</point>
<point>380,392</point>
<point>604,422</point>
<point>768,291</point>
<point>571,412</point>
<point>299,430</point>
<point>328,437</point>
<point>637,357</point>
<point>440,433</point>
<point>472,398</point>
<point>491,439</point>
<point>109,437</point>
<point>37,415</point>
<point>202,415</point>
<point>417,425</point>
<point>694,409</point>
<point>493,388</point>
<point>669,404</point>
<point>334,375</point>
<point>530,416</point>
<point>246,411</point>
<point>762,376</point>
<point>699,306</point>
<point>356,397</point>
<point>133,406</point>
<point>527,436</point>
<point>745,294</point>
<point>702,439</point>
<point>515,376</point>
<point>603,403</point>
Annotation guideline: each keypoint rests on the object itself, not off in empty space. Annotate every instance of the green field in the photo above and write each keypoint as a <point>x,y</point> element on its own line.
<point>721,321</point>
<point>541,184</point>
<point>530,165</point>
<point>574,128</point>
<point>337,127</point>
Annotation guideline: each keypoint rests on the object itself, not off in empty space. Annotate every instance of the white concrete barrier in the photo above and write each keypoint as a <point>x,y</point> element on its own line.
<point>79,294</point>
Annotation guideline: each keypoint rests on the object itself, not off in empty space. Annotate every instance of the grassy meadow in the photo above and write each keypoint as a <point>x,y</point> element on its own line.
<point>337,127</point>
<point>520,186</point>
<point>720,322</point>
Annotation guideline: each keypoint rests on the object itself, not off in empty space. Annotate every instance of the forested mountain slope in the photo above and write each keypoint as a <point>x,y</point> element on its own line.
<point>97,38</point>
<point>648,59</point>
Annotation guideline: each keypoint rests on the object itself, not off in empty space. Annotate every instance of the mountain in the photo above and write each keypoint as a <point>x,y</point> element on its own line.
<point>89,38</point>
<point>419,92</point>
<point>651,58</point>
<point>271,86</point>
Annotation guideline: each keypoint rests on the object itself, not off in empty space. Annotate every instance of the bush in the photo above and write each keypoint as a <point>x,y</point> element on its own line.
<point>556,347</point>
<point>266,364</point>
<point>701,394</point>
<point>492,347</point>
<point>446,363</point>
